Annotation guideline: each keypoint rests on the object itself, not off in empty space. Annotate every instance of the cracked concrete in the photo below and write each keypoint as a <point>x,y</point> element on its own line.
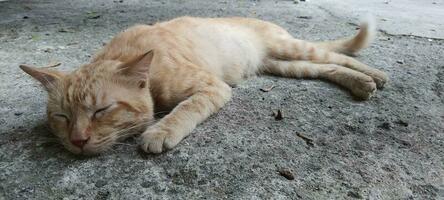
<point>390,147</point>
<point>398,17</point>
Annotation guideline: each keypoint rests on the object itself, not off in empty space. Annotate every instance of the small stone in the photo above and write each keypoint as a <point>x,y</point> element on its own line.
<point>100,183</point>
<point>307,140</point>
<point>146,184</point>
<point>405,143</point>
<point>93,15</point>
<point>102,195</point>
<point>278,115</point>
<point>267,89</point>
<point>402,123</point>
<point>65,30</point>
<point>385,125</point>
<point>305,17</point>
<point>18,113</point>
<point>286,173</point>
<point>201,182</point>
<point>354,194</point>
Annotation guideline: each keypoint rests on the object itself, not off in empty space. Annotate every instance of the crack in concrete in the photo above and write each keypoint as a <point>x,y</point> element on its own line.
<point>385,32</point>
<point>408,35</point>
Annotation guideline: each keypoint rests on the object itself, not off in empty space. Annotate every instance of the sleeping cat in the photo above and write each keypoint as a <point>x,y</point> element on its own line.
<point>186,65</point>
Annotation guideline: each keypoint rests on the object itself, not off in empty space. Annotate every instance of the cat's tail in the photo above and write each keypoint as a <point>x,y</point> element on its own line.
<point>350,46</point>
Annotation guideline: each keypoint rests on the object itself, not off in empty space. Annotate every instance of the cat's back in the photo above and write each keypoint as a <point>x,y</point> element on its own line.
<point>127,44</point>
<point>227,46</point>
<point>231,48</point>
<point>220,34</point>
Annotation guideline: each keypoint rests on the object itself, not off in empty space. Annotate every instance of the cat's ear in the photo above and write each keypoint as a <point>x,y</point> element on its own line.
<point>47,77</point>
<point>139,66</point>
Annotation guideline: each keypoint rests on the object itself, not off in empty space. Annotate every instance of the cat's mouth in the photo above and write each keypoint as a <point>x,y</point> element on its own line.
<point>86,150</point>
<point>99,143</point>
<point>97,147</point>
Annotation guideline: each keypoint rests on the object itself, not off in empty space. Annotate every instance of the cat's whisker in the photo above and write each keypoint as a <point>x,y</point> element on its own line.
<point>135,126</point>
<point>161,112</point>
<point>123,133</point>
<point>125,144</point>
<point>103,140</point>
<point>118,132</point>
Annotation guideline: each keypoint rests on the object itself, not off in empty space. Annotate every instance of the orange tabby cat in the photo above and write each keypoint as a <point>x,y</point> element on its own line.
<point>187,65</point>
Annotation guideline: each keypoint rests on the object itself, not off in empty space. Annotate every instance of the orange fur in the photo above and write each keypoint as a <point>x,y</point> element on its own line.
<point>185,65</point>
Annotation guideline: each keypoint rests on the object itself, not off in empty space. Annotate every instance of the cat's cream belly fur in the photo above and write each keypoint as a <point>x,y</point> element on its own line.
<point>231,52</point>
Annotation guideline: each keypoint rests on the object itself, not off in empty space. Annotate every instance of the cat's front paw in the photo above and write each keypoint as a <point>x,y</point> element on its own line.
<point>157,140</point>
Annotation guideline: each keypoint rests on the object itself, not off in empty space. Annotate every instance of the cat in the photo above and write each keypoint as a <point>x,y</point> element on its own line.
<point>188,66</point>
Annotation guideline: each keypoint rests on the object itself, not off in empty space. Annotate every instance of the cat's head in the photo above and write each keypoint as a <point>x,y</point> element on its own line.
<point>94,106</point>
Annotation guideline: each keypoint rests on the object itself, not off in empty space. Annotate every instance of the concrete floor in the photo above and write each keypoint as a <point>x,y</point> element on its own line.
<point>390,147</point>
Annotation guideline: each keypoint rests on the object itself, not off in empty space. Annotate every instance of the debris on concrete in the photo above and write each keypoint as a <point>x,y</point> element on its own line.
<point>267,89</point>
<point>286,173</point>
<point>278,115</point>
<point>307,140</point>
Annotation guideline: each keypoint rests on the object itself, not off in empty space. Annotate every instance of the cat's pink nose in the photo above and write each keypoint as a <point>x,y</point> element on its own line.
<point>79,142</point>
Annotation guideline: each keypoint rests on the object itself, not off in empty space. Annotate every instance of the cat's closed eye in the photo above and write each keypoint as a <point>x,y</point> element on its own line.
<point>102,111</point>
<point>61,117</point>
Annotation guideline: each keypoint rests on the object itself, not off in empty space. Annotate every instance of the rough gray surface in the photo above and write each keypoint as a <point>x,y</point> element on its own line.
<point>391,147</point>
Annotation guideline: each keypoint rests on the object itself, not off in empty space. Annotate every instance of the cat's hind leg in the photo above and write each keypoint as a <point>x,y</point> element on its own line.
<point>361,85</point>
<point>281,45</point>
<point>293,49</point>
